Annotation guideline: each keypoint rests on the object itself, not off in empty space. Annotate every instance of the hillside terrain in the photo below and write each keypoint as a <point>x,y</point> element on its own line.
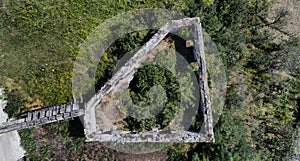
<point>41,39</point>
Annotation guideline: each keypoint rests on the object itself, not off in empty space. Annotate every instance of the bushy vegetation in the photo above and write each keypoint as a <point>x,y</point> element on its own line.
<point>40,41</point>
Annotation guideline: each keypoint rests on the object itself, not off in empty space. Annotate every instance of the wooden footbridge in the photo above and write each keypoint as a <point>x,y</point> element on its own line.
<point>42,116</point>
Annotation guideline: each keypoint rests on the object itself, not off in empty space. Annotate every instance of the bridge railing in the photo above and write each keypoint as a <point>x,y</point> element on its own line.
<point>42,116</point>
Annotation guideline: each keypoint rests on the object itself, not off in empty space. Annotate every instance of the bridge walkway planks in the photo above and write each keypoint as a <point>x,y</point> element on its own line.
<point>42,116</point>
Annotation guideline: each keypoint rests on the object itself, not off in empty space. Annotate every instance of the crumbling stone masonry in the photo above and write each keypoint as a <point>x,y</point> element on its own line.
<point>119,81</point>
